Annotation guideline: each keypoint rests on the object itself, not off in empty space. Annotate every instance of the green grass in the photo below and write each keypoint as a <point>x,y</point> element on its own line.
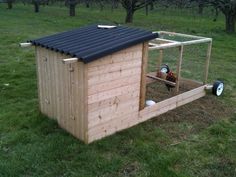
<point>195,140</point>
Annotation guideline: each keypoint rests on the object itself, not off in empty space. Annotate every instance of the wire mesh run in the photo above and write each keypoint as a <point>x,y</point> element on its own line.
<point>186,56</point>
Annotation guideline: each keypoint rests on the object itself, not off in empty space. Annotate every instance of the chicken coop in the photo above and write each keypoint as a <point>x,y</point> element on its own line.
<point>94,81</point>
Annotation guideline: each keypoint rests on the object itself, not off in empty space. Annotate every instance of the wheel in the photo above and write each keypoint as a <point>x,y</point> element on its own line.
<point>218,88</point>
<point>165,69</point>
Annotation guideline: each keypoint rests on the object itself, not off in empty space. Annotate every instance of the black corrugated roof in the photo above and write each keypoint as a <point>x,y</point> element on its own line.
<point>90,43</point>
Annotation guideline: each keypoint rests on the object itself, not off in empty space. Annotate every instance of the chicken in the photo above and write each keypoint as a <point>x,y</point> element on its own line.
<point>170,77</point>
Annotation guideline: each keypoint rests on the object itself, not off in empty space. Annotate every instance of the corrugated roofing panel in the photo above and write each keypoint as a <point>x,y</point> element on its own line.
<point>91,42</point>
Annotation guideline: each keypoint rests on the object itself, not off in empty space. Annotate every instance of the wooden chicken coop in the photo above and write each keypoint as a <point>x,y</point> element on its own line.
<point>93,80</point>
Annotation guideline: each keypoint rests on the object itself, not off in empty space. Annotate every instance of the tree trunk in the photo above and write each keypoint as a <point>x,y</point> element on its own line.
<point>72,10</point>
<point>216,14</point>
<point>129,16</point>
<point>9,4</point>
<point>151,5</point>
<point>230,22</point>
<point>200,8</point>
<point>87,3</point>
<point>146,8</point>
<point>36,6</point>
<point>114,4</point>
<point>101,5</point>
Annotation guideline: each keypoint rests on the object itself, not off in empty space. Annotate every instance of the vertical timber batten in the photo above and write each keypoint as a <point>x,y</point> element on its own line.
<point>39,84</point>
<point>160,59</point>
<point>85,104</point>
<point>179,64</point>
<point>207,61</point>
<point>143,75</point>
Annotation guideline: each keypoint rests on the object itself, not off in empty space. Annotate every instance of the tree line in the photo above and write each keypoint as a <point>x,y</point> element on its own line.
<point>227,7</point>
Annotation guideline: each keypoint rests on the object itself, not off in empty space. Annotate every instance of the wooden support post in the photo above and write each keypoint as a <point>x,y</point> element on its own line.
<point>159,60</point>
<point>143,76</point>
<point>178,72</point>
<point>207,61</point>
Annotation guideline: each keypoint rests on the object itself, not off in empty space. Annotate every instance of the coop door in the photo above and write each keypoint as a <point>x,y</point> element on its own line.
<point>71,97</point>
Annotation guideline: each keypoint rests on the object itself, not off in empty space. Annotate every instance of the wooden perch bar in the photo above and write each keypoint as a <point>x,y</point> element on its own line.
<point>25,44</point>
<point>161,80</point>
<point>70,60</point>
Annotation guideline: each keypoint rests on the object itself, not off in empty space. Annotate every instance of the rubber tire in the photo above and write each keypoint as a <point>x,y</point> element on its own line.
<point>165,66</point>
<point>216,86</point>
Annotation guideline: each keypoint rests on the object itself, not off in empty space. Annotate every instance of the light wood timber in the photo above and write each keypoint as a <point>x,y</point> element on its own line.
<point>159,60</point>
<point>171,103</point>
<point>143,76</point>
<point>178,72</point>
<point>118,83</point>
<point>207,62</point>
<point>161,80</point>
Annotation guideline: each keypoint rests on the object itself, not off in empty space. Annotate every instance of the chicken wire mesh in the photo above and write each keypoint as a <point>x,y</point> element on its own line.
<point>193,65</point>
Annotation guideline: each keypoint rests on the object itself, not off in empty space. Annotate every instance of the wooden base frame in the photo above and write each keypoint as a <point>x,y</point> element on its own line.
<point>172,103</point>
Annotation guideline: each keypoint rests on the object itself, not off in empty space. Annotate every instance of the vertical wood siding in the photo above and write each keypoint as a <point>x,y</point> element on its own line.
<point>62,90</point>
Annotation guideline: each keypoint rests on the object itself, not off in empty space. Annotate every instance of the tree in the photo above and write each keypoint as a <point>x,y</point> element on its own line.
<point>228,8</point>
<point>36,5</point>
<point>114,4</point>
<point>201,4</point>
<point>9,4</point>
<point>152,4</point>
<point>72,4</point>
<point>87,3</point>
<point>131,6</point>
<point>101,4</point>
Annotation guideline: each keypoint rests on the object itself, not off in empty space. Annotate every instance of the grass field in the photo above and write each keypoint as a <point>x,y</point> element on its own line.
<point>198,139</point>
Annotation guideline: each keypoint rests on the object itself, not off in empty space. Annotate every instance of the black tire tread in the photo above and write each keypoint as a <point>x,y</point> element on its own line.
<point>215,86</point>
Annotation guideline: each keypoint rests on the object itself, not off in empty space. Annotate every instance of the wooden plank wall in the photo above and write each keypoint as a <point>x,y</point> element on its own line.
<point>95,100</point>
<point>113,92</point>
<point>62,91</point>
<point>131,119</point>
